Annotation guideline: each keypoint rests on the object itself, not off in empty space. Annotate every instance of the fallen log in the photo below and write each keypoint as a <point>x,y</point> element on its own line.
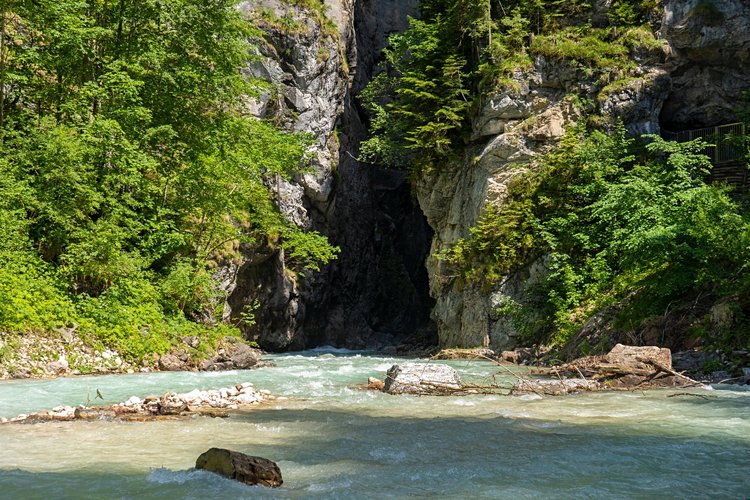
<point>628,367</point>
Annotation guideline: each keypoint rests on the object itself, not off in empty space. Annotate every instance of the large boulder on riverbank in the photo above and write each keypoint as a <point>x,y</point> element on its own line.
<point>426,378</point>
<point>640,357</point>
<point>627,367</point>
<point>244,468</point>
<point>233,356</point>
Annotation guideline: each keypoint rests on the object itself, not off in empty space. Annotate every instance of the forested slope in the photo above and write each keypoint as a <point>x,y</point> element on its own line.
<point>561,219</point>
<point>130,168</point>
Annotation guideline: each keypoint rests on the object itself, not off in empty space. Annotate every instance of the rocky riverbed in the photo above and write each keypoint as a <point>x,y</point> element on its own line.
<point>171,405</point>
<point>622,368</point>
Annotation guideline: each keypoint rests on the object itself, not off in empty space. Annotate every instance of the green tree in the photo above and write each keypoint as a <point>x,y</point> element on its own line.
<point>422,108</point>
<point>133,161</point>
<point>613,224</point>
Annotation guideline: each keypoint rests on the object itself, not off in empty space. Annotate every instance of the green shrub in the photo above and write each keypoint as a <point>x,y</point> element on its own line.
<point>640,230</point>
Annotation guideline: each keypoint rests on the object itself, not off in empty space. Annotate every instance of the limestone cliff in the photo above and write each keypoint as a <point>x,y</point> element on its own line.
<point>696,79</point>
<point>376,291</point>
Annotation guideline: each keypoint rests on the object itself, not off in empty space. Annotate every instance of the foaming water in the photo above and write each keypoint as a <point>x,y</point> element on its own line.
<point>334,440</point>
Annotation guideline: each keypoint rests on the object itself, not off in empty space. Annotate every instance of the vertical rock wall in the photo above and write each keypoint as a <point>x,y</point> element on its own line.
<point>696,80</point>
<point>376,292</point>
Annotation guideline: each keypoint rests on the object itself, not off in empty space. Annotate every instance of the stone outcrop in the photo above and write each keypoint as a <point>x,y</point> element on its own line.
<point>240,467</point>
<point>422,379</point>
<point>627,367</point>
<point>376,291</point>
<point>512,127</point>
<point>695,78</point>
<point>230,354</point>
<point>236,356</point>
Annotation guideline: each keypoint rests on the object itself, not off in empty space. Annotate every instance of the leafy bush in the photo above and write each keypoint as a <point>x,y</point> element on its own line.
<point>613,222</point>
<point>129,167</point>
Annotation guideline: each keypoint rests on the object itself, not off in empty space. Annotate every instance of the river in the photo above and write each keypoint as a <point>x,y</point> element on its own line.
<point>332,440</point>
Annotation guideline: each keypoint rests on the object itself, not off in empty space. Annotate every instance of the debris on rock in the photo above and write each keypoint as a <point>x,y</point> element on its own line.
<point>627,367</point>
<point>214,402</point>
<point>479,353</point>
<point>422,378</point>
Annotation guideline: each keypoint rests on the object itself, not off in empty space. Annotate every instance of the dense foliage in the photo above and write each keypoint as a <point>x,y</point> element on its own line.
<point>421,106</point>
<point>128,167</point>
<point>612,225</point>
<point>615,222</point>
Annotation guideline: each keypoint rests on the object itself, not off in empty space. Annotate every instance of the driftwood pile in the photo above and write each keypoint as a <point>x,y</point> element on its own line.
<point>624,368</point>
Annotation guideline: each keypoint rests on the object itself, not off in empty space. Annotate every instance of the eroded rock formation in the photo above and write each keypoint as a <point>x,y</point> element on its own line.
<point>696,78</point>
<point>376,291</point>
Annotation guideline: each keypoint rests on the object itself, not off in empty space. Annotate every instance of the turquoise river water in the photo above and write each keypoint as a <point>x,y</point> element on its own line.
<point>333,440</point>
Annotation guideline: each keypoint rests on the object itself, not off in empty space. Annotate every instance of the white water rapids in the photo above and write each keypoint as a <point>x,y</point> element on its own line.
<point>332,440</point>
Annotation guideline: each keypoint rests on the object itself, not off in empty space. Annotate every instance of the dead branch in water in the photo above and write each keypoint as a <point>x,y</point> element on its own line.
<point>702,396</point>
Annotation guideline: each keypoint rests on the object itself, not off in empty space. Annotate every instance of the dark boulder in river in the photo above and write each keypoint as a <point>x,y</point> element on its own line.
<point>244,468</point>
<point>428,379</point>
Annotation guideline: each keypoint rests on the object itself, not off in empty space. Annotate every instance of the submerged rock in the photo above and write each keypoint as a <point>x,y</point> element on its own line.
<point>244,468</point>
<point>427,378</point>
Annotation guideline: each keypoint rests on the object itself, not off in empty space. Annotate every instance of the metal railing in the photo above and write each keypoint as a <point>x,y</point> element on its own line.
<point>726,141</point>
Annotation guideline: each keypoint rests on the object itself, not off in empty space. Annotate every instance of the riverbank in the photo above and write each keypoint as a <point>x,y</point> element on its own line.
<point>63,353</point>
<point>705,367</point>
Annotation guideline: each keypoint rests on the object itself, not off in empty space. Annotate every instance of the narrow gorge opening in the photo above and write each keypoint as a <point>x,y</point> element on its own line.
<point>377,292</point>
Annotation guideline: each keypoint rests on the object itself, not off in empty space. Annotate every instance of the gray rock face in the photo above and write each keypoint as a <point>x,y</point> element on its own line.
<point>638,357</point>
<point>696,80</point>
<point>244,468</point>
<point>528,121</point>
<point>638,102</point>
<point>425,379</point>
<point>377,290</point>
<point>710,44</point>
<point>307,67</point>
